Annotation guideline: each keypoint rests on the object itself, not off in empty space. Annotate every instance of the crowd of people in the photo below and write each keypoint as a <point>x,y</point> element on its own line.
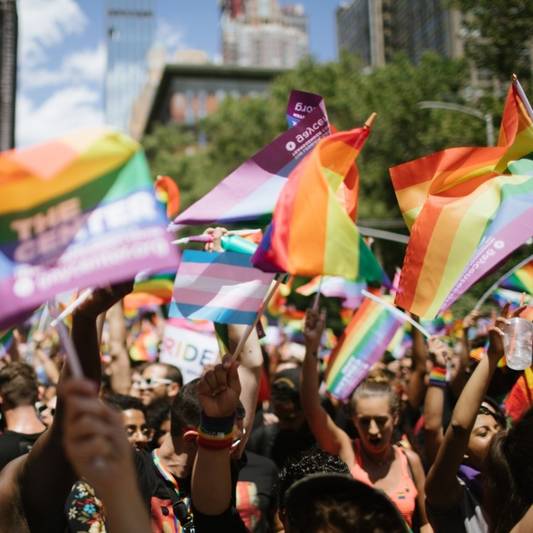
<point>425,443</point>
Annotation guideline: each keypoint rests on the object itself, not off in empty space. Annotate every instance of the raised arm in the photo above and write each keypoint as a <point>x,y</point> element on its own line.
<point>46,477</point>
<point>250,362</point>
<point>434,401</point>
<point>329,436</point>
<point>442,487</point>
<point>416,387</point>
<point>218,392</point>
<point>96,445</point>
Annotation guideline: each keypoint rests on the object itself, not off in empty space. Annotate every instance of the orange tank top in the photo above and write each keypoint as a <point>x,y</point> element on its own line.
<point>404,493</point>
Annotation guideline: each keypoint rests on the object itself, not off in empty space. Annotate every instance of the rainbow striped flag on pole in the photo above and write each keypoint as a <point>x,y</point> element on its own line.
<point>313,230</point>
<point>362,344</point>
<point>464,217</point>
<point>76,212</point>
<point>221,287</point>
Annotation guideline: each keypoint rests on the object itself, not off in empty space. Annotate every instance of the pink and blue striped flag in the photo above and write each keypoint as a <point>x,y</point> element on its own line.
<point>221,287</point>
<point>250,192</point>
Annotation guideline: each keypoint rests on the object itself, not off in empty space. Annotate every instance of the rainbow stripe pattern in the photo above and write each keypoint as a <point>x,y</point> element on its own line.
<point>362,344</point>
<point>77,211</point>
<point>312,230</point>
<point>464,217</point>
<point>521,280</point>
<point>221,287</point>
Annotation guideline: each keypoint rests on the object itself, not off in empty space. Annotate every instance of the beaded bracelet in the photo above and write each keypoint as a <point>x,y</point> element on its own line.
<point>437,377</point>
<point>216,433</point>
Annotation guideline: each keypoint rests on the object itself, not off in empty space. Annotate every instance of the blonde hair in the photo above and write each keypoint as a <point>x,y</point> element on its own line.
<point>376,384</point>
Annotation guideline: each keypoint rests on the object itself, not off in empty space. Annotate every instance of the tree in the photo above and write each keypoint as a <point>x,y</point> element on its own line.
<point>498,36</point>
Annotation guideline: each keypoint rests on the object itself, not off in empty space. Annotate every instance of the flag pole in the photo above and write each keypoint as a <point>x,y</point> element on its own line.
<point>250,328</point>
<point>523,96</point>
<point>70,350</point>
<point>493,287</point>
<point>317,295</point>
<point>397,312</point>
<point>71,307</point>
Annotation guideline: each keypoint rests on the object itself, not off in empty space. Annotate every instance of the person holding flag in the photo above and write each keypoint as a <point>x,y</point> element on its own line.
<point>372,458</point>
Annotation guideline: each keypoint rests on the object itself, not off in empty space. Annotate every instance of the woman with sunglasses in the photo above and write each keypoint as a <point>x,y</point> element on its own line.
<point>372,458</point>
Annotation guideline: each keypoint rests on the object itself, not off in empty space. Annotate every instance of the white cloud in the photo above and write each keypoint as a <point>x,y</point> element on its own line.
<point>170,37</point>
<point>45,23</point>
<point>67,109</point>
<point>83,66</point>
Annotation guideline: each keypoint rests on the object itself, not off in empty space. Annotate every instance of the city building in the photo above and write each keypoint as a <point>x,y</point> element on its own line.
<point>187,93</point>
<point>261,33</point>
<point>8,72</point>
<point>130,28</point>
<point>377,29</point>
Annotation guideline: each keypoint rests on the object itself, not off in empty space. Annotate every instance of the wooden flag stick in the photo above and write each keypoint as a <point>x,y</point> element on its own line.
<point>317,295</point>
<point>71,307</point>
<point>250,328</point>
<point>70,350</point>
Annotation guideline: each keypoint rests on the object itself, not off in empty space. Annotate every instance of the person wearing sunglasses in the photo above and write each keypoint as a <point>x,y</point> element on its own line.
<point>159,380</point>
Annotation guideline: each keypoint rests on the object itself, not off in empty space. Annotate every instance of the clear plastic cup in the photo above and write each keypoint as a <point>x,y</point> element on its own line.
<point>518,343</point>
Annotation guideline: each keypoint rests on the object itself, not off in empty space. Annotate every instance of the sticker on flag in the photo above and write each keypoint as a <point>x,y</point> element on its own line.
<point>221,287</point>
<point>78,211</point>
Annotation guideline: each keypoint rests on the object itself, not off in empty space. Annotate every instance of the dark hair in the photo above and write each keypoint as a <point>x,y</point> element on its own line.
<point>171,372</point>
<point>185,409</point>
<point>336,503</point>
<point>18,385</point>
<point>157,412</point>
<point>286,386</point>
<point>123,402</point>
<point>509,475</point>
<point>313,461</point>
<point>373,386</point>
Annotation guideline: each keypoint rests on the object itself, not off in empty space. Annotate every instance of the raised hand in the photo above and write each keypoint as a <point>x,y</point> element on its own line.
<point>94,438</point>
<point>496,335</point>
<point>440,350</point>
<point>313,329</point>
<point>216,233</point>
<point>219,389</point>
<point>470,319</point>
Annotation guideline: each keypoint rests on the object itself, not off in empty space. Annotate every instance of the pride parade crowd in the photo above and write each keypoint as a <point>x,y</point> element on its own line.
<point>383,418</point>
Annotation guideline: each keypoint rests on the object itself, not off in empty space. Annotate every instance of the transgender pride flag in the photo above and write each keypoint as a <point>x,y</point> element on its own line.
<point>221,287</point>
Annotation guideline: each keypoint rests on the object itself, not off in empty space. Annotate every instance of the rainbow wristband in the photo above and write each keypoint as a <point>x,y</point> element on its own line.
<point>215,433</point>
<point>437,377</point>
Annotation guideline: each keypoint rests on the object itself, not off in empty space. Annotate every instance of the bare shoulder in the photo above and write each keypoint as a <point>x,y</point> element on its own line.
<point>413,458</point>
<point>11,515</point>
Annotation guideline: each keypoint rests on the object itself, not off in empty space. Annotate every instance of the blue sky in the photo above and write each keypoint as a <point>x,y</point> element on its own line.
<point>62,55</point>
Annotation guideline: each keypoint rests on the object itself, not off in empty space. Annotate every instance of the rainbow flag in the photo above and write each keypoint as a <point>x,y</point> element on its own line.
<point>77,211</point>
<point>6,342</point>
<point>504,296</point>
<point>168,194</point>
<point>521,280</point>
<point>335,287</point>
<point>221,287</point>
<point>362,344</point>
<point>458,171</point>
<point>520,398</point>
<point>312,232</point>
<point>250,192</point>
<point>159,285</point>
<point>145,348</point>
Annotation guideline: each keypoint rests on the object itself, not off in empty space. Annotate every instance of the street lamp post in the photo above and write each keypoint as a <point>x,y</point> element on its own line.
<point>485,117</point>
